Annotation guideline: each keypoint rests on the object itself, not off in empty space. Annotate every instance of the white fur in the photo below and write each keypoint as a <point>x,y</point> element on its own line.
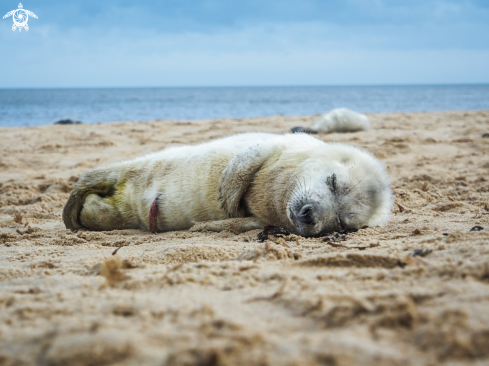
<point>209,182</point>
<point>340,120</point>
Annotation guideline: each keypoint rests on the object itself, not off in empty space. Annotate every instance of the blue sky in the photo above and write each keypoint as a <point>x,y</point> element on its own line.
<point>238,43</point>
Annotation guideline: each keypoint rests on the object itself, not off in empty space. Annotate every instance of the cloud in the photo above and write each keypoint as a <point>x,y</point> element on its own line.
<point>174,16</point>
<point>210,43</point>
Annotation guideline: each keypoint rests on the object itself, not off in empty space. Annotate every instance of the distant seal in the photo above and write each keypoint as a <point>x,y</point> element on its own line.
<point>241,182</point>
<point>336,120</point>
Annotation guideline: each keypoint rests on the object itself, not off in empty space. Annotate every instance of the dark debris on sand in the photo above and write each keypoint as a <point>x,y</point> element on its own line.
<point>68,121</point>
<point>421,252</point>
<point>276,231</point>
<point>339,236</point>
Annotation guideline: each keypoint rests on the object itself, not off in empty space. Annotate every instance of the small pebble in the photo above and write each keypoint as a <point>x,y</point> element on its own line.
<point>421,252</point>
<point>477,228</point>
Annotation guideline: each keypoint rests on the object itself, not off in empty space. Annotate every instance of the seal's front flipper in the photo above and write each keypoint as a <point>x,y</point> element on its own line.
<point>236,226</point>
<point>239,175</point>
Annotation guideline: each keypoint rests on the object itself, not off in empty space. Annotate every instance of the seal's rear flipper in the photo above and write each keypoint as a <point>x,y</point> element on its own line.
<point>302,130</point>
<point>91,194</point>
<point>236,226</point>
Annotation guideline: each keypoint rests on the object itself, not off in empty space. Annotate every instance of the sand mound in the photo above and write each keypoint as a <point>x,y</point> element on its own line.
<point>415,292</point>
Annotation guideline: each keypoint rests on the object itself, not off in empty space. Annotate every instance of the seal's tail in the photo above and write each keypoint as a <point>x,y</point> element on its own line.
<point>97,182</point>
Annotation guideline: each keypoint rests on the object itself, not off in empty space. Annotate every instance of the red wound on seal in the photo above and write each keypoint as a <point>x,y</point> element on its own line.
<point>153,216</point>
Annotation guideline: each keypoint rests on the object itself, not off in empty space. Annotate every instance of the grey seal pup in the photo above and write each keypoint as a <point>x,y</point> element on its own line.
<point>336,120</point>
<point>239,183</point>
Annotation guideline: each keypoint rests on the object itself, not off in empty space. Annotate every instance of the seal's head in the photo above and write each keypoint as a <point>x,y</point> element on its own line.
<point>307,186</point>
<point>339,188</point>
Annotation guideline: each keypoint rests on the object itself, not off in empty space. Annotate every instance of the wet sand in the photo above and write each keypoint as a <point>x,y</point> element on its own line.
<point>415,292</point>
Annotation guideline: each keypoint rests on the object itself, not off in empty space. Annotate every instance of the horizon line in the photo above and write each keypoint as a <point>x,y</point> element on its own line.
<point>247,86</point>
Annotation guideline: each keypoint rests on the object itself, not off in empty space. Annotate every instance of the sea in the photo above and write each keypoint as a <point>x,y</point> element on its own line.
<point>34,107</point>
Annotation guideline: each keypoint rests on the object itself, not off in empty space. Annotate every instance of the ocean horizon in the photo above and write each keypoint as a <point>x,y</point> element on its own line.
<point>44,106</point>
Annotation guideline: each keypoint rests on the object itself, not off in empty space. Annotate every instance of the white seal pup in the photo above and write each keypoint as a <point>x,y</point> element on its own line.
<point>241,182</point>
<point>337,120</point>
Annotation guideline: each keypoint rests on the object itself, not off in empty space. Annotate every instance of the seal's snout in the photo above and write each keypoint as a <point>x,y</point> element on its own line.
<point>306,215</point>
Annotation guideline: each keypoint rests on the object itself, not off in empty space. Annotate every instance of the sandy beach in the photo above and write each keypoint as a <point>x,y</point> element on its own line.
<point>415,292</point>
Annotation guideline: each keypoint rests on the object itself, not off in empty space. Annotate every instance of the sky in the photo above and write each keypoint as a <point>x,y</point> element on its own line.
<point>179,43</point>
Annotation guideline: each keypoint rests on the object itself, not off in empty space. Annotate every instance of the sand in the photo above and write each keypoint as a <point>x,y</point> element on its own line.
<point>416,292</point>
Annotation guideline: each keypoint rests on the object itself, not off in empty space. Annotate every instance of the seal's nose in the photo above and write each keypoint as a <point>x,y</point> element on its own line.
<point>305,215</point>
